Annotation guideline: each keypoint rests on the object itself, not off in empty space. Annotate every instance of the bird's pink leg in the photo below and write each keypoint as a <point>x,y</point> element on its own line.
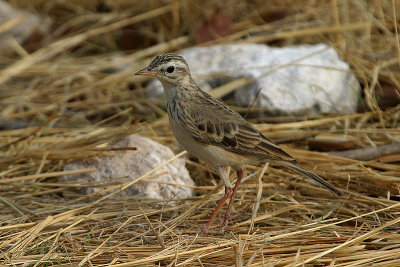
<point>220,204</point>
<point>228,210</point>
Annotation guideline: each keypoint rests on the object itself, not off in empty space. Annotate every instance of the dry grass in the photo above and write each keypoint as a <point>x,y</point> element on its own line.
<point>74,91</point>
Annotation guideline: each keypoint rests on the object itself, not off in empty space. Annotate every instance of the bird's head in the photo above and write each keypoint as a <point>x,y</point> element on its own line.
<point>168,68</point>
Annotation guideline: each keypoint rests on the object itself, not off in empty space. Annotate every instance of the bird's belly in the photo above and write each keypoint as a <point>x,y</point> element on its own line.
<point>211,154</point>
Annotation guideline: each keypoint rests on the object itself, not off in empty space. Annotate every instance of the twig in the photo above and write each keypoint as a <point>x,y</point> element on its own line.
<point>259,194</point>
<point>367,153</point>
<point>113,117</point>
<point>113,148</point>
<point>52,117</point>
<point>15,206</point>
<point>252,103</point>
<point>45,175</point>
<point>152,227</point>
<point>294,139</point>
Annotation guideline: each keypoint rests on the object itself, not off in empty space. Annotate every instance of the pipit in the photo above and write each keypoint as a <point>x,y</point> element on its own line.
<point>212,131</point>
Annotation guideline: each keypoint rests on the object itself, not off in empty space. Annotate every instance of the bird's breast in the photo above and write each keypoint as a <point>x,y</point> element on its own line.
<point>211,154</point>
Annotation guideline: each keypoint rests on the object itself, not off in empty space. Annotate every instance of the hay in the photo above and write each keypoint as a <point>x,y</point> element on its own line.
<point>74,93</point>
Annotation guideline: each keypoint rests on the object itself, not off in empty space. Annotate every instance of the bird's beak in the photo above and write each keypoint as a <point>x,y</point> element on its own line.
<point>147,71</point>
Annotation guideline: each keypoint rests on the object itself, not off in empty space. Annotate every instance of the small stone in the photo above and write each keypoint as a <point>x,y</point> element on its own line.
<point>298,80</point>
<point>133,164</point>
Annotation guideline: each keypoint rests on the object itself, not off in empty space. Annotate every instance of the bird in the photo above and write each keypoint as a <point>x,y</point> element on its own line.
<point>212,131</point>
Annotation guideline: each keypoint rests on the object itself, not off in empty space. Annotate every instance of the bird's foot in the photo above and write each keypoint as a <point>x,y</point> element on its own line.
<point>203,232</point>
<point>210,230</point>
<point>229,217</point>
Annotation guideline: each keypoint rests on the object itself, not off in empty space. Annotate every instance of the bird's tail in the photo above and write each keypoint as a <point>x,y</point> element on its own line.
<point>301,170</point>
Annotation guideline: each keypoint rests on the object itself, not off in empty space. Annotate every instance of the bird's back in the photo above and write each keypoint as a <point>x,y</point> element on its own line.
<point>212,122</point>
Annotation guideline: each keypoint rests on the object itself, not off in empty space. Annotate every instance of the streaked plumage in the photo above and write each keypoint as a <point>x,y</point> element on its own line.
<point>211,130</point>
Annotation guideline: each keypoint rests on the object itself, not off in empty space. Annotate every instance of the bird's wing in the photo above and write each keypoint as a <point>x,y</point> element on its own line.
<point>217,124</point>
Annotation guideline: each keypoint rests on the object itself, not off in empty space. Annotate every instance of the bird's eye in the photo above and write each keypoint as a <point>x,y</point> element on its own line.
<point>170,69</point>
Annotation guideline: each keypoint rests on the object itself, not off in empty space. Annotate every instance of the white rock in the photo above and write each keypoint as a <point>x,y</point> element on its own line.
<point>306,79</point>
<point>135,163</point>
